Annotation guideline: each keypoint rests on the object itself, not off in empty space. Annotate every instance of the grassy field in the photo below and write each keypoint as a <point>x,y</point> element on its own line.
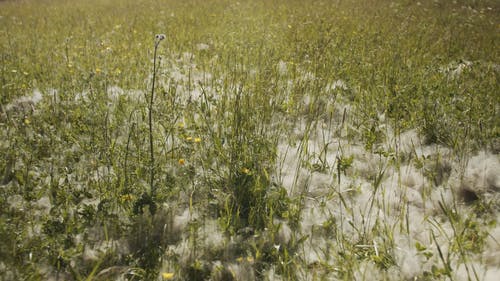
<point>259,140</point>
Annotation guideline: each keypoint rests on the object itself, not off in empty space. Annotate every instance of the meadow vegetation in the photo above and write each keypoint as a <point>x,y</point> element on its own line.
<point>293,140</point>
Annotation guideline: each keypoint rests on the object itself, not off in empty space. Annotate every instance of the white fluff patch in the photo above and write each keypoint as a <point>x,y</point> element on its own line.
<point>337,84</point>
<point>482,173</point>
<point>407,257</point>
<point>202,46</point>
<point>282,68</point>
<point>242,271</point>
<point>466,272</point>
<point>181,221</point>
<point>212,235</point>
<point>25,103</point>
<point>492,252</point>
<point>284,233</point>
<point>380,201</point>
<point>368,271</point>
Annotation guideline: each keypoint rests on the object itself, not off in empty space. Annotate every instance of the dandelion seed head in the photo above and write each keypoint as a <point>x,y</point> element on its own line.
<point>160,37</point>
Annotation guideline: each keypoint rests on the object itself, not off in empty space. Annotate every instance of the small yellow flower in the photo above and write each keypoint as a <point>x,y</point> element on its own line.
<point>182,161</point>
<point>245,171</point>
<point>197,140</point>
<point>98,70</point>
<point>168,275</point>
<point>27,121</point>
<point>189,138</point>
<point>127,197</point>
<point>247,259</point>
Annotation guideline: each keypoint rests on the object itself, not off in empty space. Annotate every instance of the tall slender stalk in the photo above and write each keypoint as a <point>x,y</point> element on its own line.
<point>158,39</point>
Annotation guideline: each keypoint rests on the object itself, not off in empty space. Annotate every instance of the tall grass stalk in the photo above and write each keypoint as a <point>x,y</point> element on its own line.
<point>158,39</point>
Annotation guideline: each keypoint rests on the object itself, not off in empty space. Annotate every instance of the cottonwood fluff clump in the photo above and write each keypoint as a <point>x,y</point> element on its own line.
<point>482,174</point>
<point>399,204</point>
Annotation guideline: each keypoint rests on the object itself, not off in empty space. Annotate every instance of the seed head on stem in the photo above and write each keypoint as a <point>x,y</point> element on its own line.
<point>159,38</point>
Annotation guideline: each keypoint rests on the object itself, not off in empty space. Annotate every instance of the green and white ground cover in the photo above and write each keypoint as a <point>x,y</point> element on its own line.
<point>294,140</point>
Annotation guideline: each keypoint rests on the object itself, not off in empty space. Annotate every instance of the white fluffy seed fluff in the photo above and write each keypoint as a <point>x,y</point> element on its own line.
<point>482,173</point>
<point>408,199</point>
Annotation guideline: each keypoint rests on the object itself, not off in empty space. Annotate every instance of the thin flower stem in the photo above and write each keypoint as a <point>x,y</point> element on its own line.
<point>150,119</point>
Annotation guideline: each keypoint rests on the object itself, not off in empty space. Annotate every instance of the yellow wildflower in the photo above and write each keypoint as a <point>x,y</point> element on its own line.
<point>197,140</point>
<point>248,259</point>
<point>168,275</point>
<point>245,171</point>
<point>182,161</point>
<point>127,197</point>
<point>189,138</point>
